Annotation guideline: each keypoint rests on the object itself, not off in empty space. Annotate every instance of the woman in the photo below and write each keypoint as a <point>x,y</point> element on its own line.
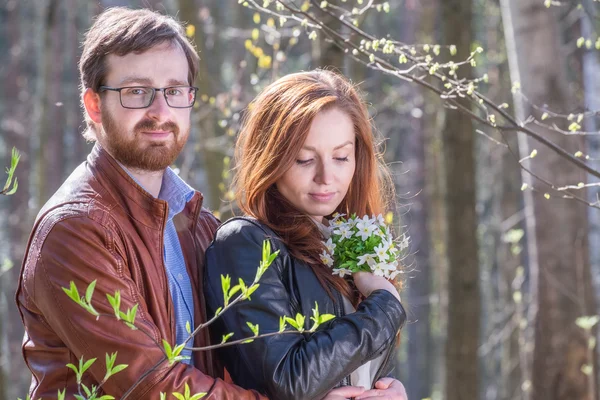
<point>305,151</point>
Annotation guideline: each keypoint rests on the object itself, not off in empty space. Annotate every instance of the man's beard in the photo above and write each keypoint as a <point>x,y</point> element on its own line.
<point>156,156</point>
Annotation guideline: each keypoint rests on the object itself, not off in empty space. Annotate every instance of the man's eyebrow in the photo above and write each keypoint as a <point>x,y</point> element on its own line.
<point>148,82</point>
<point>177,82</point>
<point>135,79</point>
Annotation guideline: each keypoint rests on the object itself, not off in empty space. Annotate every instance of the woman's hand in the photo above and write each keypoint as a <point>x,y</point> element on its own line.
<point>344,393</point>
<point>385,389</point>
<point>366,282</point>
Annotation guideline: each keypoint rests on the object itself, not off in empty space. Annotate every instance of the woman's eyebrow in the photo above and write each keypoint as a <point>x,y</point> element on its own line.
<point>310,148</point>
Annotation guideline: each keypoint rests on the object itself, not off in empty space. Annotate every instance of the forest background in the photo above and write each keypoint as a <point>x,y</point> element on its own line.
<point>488,113</point>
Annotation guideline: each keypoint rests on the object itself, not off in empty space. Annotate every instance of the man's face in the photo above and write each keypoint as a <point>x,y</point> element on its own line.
<point>148,139</point>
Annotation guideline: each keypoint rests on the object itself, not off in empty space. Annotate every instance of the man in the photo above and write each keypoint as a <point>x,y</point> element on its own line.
<point>126,221</point>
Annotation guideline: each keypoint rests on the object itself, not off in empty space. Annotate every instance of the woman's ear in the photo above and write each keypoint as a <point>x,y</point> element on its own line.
<point>91,102</point>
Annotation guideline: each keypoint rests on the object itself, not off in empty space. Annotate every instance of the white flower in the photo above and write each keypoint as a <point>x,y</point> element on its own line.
<point>380,232</point>
<point>330,245</point>
<point>365,227</point>
<point>379,269</point>
<point>341,272</point>
<point>404,242</point>
<point>337,222</point>
<point>369,259</point>
<point>381,251</point>
<point>344,231</point>
<point>337,216</point>
<point>380,220</point>
<point>326,259</point>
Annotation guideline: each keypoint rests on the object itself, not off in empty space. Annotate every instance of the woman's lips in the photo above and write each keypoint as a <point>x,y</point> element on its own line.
<point>322,197</point>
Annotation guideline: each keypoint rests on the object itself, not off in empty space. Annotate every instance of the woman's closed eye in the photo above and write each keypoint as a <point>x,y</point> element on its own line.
<point>308,161</point>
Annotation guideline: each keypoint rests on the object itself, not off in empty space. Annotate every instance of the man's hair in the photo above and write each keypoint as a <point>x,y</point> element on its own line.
<point>122,31</point>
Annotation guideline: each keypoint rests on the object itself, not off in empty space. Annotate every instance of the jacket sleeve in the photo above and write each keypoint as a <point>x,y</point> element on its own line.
<point>288,366</point>
<point>83,250</point>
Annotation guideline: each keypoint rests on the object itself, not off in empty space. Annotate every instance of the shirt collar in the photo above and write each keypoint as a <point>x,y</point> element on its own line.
<point>174,190</point>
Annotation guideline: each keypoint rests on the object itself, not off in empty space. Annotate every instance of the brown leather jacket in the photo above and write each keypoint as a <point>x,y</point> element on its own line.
<point>101,226</point>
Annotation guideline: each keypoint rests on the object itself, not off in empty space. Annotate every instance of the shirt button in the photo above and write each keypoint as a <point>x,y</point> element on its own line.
<point>180,277</point>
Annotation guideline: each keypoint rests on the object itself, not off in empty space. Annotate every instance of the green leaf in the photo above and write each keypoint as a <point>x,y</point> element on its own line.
<point>163,396</point>
<point>90,291</point>
<point>115,302</point>
<point>87,364</point>
<point>110,360</point>
<point>266,250</point>
<point>198,396</point>
<point>61,395</point>
<point>234,290</point>
<point>300,320</point>
<point>253,328</point>
<point>16,156</point>
<point>282,324</point>
<point>325,317</point>
<point>86,390</point>
<point>226,337</point>
<point>168,349</point>
<point>14,188</point>
<point>79,397</point>
<point>188,327</point>
<point>72,293</point>
<point>226,285</point>
<point>119,368</point>
<point>293,323</point>
<point>106,397</point>
<point>74,368</point>
<point>251,290</point>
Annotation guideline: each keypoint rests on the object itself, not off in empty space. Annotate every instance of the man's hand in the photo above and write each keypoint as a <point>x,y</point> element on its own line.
<point>344,393</point>
<point>385,389</point>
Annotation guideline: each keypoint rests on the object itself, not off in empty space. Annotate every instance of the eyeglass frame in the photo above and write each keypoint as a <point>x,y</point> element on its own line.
<point>154,90</point>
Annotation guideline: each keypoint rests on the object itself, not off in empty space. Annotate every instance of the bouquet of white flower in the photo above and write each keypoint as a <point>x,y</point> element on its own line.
<point>363,244</point>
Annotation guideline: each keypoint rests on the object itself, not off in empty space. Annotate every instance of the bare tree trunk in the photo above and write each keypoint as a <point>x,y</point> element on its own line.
<point>462,376</point>
<point>207,127</point>
<point>560,278</point>
<point>591,85</point>
<point>418,373</point>
<point>23,26</point>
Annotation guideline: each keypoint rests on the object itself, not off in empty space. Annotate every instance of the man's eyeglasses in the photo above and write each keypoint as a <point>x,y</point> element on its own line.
<point>141,96</point>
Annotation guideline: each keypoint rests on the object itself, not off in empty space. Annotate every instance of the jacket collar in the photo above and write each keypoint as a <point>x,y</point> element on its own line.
<point>130,196</point>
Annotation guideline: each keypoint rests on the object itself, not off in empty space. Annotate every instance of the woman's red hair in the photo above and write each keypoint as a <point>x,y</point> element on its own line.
<point>273,132</point>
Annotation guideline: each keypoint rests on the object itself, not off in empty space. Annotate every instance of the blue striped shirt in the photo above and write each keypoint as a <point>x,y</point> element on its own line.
<point>177,193</point>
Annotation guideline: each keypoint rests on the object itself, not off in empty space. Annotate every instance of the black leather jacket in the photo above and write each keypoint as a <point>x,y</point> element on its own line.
<point>291,366</point>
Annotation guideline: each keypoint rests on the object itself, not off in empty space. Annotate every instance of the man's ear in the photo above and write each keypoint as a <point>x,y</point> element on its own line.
<point>91,102</point>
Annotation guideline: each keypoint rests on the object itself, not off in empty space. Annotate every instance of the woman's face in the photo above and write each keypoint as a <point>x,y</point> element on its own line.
<point>319,179</point>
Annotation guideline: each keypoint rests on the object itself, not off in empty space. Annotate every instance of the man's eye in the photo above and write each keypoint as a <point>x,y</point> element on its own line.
<point>137,91</point>
<point>174,92</point>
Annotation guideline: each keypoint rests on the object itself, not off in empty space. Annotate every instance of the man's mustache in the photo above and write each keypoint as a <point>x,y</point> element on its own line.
<point>149,125</point>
